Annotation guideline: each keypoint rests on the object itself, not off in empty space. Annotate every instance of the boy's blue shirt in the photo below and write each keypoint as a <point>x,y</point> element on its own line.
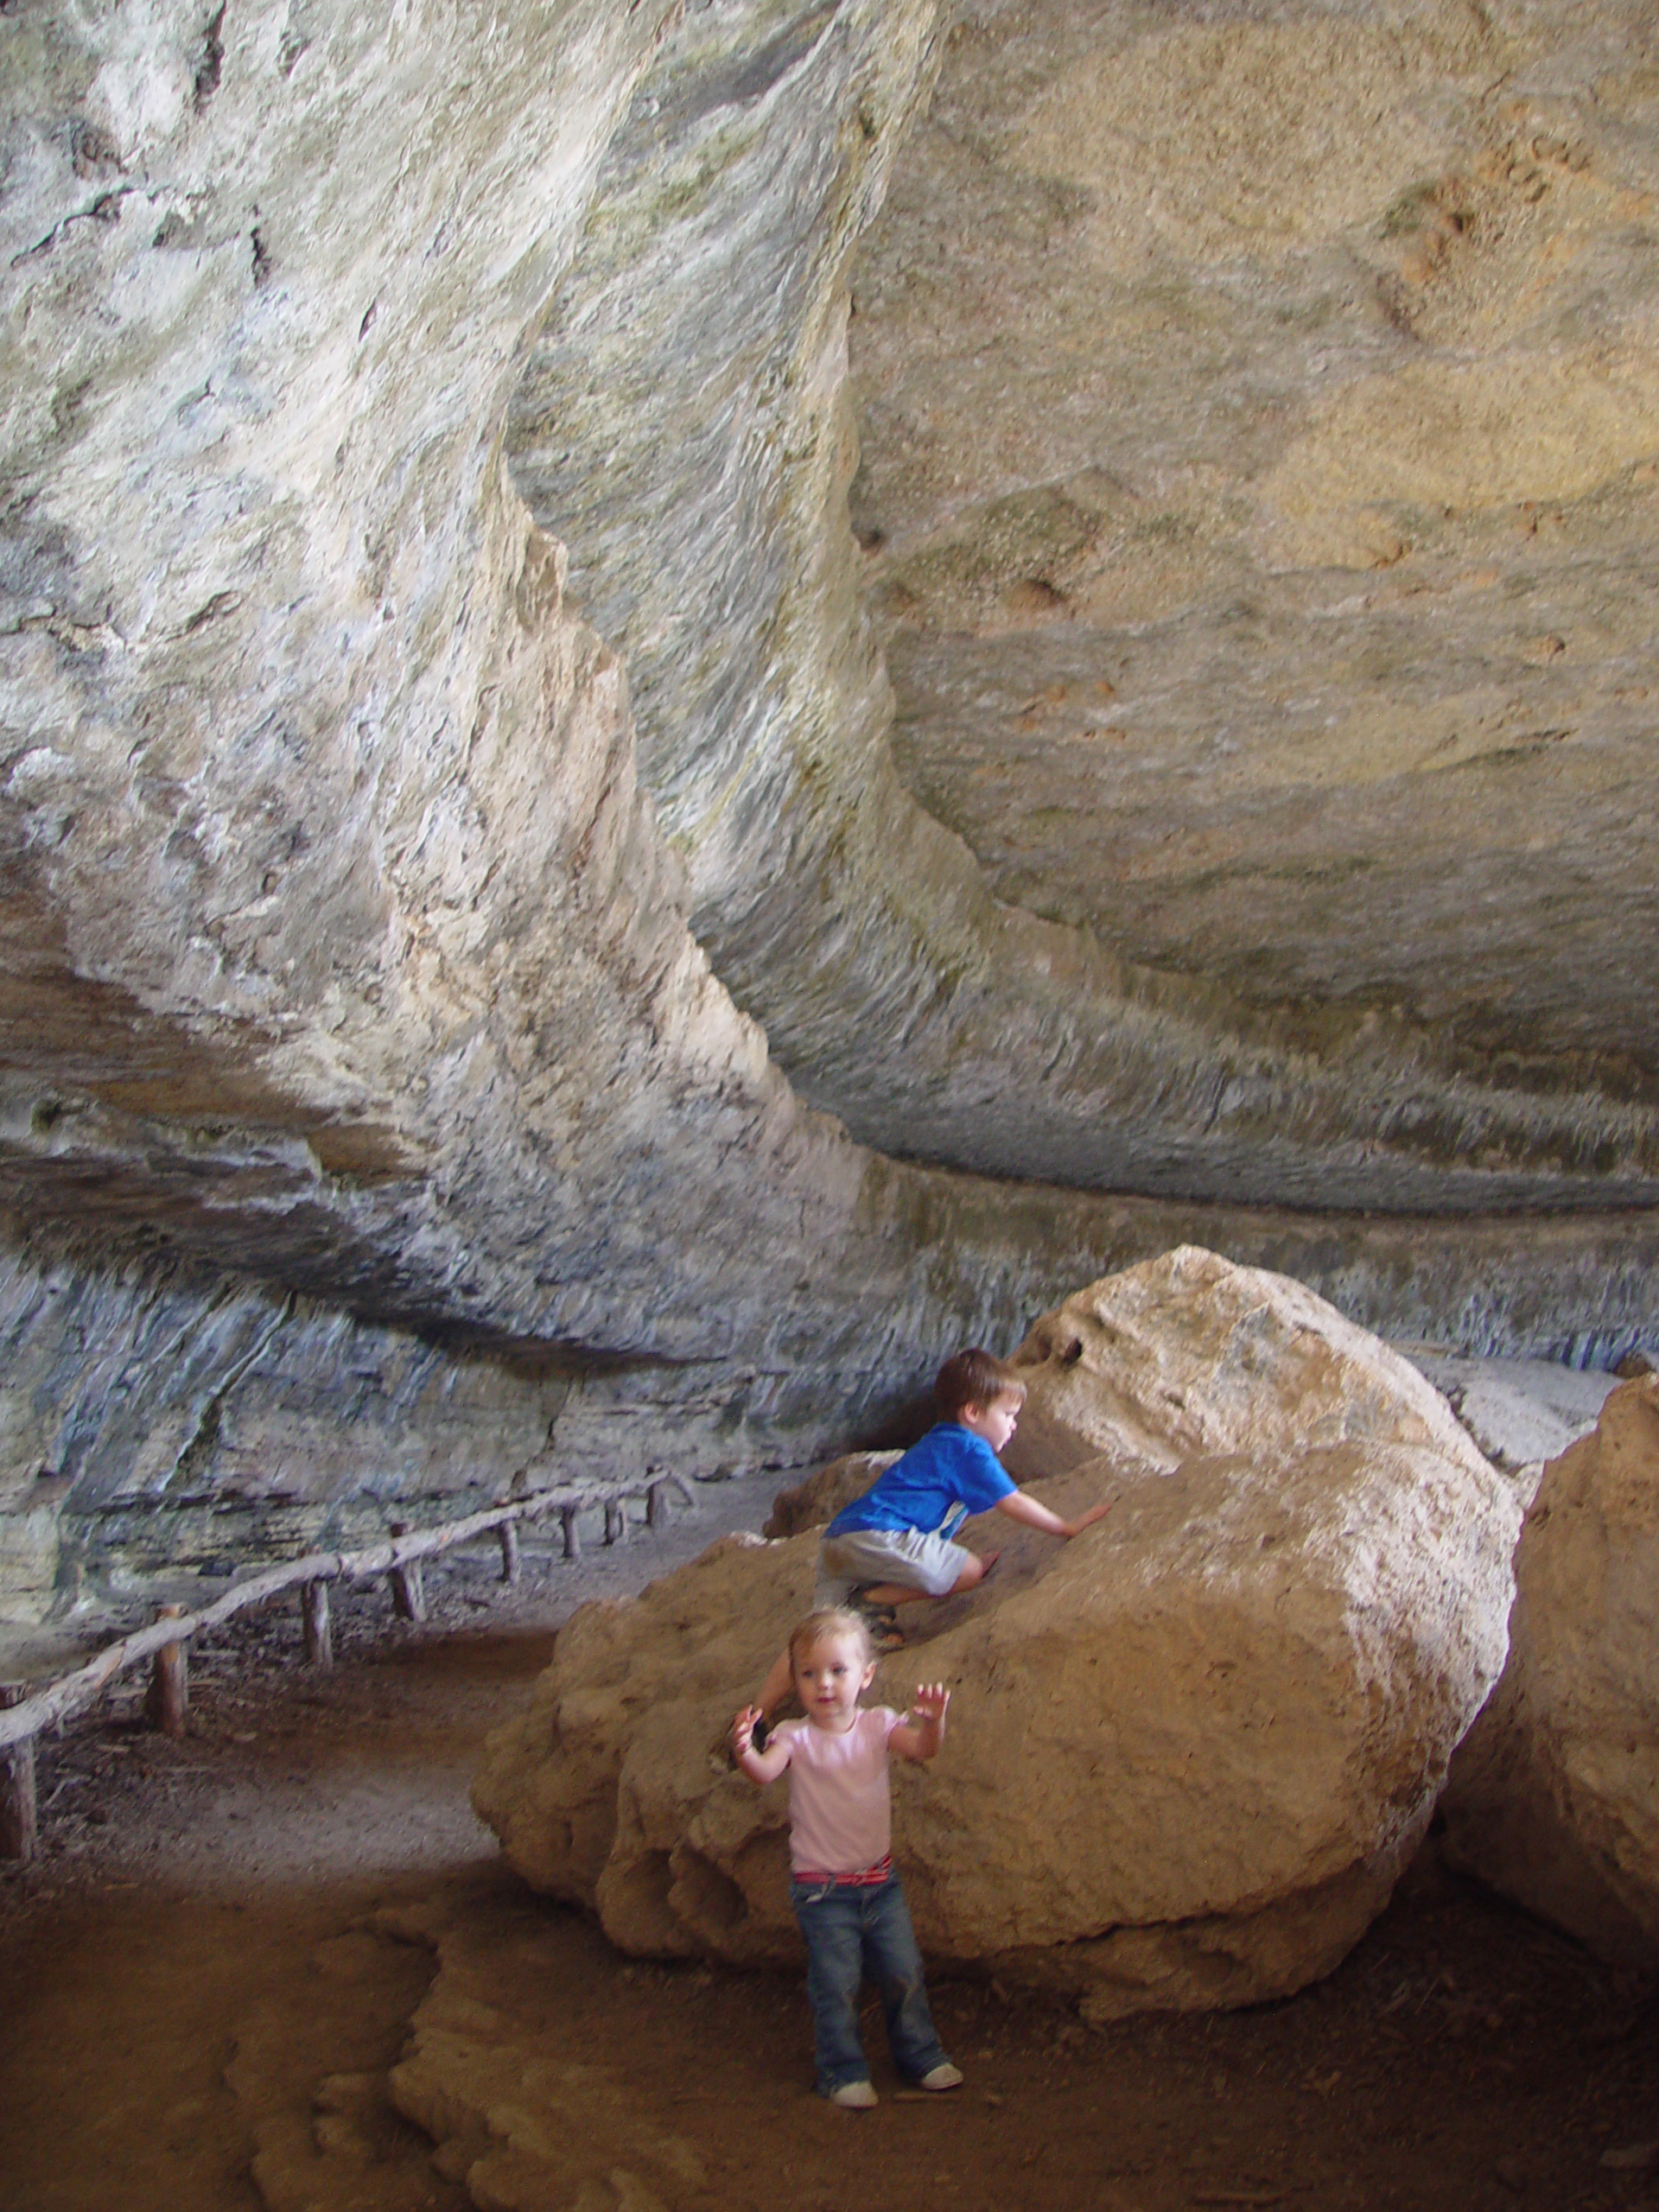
<point>950,1466</point>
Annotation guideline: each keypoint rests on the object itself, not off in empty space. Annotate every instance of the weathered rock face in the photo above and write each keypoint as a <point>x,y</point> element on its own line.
<point>1554,1798</point>
<point>166,1417</point>
<point>1188,1752</point>
<point>345,963</point>
<point>159,1408</point>
<point>1521,1412</point>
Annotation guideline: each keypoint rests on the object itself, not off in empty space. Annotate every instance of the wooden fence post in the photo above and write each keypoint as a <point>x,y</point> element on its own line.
<point>572,1534</point>
<point>170,1685</point>
<point>17,1815</point>
<point>408,1589</point>
<point>318,1627</point>
<point>616,1525</point>
<point>507,1535</point>
<point>656,1505</point>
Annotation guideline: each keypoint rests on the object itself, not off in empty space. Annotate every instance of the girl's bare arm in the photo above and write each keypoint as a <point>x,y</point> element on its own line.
<point>759,1766</point>
<point>920,1739</point>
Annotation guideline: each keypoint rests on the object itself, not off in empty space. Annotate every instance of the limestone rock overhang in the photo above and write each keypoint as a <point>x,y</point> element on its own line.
<point>350,941</point>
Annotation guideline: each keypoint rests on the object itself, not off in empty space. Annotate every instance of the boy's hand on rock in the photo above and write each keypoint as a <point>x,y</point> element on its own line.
<point>1087,1520</point>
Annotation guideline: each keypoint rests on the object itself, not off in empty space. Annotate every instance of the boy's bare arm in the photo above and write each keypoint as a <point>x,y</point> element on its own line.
<point>759,1766</point>
<point>920,1739</point>
<point>1019,1505</point>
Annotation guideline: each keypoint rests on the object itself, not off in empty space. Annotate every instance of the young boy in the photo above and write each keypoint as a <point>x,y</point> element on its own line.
<point>894,1543</point>
<point>846,1895</point>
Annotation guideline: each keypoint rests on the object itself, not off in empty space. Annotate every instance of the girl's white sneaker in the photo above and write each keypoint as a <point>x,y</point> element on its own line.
<point>858,2096</point>
<point>943,2077</point>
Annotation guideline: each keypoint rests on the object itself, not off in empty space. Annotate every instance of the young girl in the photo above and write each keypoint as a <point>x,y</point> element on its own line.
<point>842,1885</point>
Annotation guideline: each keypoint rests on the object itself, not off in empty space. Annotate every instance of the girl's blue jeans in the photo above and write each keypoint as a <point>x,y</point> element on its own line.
<point>851,1931</point>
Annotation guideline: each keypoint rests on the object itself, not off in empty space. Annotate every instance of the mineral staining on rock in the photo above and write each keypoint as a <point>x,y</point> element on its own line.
<point>1189,1752</point>
<point>1553,1799</point>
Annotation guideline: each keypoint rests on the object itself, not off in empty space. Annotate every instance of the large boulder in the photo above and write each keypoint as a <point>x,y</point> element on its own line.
<point>1554,1798</point>
<point>1188,1356</point>
<point>1188,1753</point>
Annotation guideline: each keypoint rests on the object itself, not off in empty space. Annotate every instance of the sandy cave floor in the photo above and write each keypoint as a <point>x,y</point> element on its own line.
<point>208,1970</point>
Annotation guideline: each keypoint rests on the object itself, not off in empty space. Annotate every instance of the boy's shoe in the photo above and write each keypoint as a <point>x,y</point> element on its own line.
<point>858,2096</point>
<point>942,2077</point>
<point>883,1622</point>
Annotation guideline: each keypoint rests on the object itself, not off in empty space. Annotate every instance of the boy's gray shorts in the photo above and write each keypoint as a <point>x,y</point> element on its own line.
<point>919,1561</point>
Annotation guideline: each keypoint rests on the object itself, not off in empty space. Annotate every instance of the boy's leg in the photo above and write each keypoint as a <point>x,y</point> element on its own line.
<point>895,1567</point>
<point>972,1571</point>
<point>895,1967</point>
<point>835,1971</point>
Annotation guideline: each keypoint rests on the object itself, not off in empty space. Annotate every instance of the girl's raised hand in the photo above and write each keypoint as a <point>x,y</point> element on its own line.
<point>931,1699</point>
<point>743,1729</point>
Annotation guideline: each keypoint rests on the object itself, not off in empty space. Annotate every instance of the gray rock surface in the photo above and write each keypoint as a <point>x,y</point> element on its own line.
<point>1189,1752</point>
<point>1552,1799</point>
<point>1520,1412</point>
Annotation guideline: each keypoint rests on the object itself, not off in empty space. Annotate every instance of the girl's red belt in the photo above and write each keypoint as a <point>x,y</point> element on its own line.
<point>866,1877</point>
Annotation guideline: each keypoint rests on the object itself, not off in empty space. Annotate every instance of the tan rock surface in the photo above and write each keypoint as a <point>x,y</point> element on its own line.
<point>820,1496</point>
<point>524,2118</point>
<point>1190,1355</point>
<point>1554,1797</point>
<point>1188,1752</point>
<point>1126,271</point>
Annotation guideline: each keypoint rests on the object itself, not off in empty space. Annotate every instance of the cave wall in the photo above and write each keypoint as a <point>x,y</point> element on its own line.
<point>373,1122</point>
<point>156,1412</point>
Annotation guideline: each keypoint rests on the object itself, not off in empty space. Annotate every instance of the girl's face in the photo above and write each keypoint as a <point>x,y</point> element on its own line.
<point>831,1675</point>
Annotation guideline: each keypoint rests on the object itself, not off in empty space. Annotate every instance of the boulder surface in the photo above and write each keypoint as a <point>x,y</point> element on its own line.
<point>1188,1753</point>
<point>1554,1798</point>
<point>820,1496</point>
<point>1189,1356</point>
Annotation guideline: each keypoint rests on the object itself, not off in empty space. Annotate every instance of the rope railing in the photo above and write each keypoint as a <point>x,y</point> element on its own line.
<point>23,1716</point>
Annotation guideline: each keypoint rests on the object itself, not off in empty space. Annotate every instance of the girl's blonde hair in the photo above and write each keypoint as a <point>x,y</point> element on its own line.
<point>830,1620</point>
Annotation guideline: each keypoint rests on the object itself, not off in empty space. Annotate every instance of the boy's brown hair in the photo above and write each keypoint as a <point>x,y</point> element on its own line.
<point>973,1378</point>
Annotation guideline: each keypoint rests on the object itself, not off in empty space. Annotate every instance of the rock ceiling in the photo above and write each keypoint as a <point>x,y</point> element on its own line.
<point>1260,502</point>
<point>1256,428</point>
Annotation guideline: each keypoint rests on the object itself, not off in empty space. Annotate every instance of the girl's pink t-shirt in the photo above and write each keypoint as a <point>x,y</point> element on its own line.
<point>840,1807</point>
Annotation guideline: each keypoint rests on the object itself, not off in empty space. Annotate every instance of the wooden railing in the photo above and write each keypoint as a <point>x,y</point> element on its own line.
<point>24,1715</point>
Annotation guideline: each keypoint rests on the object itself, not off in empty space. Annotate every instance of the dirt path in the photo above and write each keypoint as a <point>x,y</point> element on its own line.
<point>205,1978</point>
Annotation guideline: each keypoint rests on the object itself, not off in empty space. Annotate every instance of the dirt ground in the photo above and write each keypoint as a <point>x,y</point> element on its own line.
<point>211,1967</point>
